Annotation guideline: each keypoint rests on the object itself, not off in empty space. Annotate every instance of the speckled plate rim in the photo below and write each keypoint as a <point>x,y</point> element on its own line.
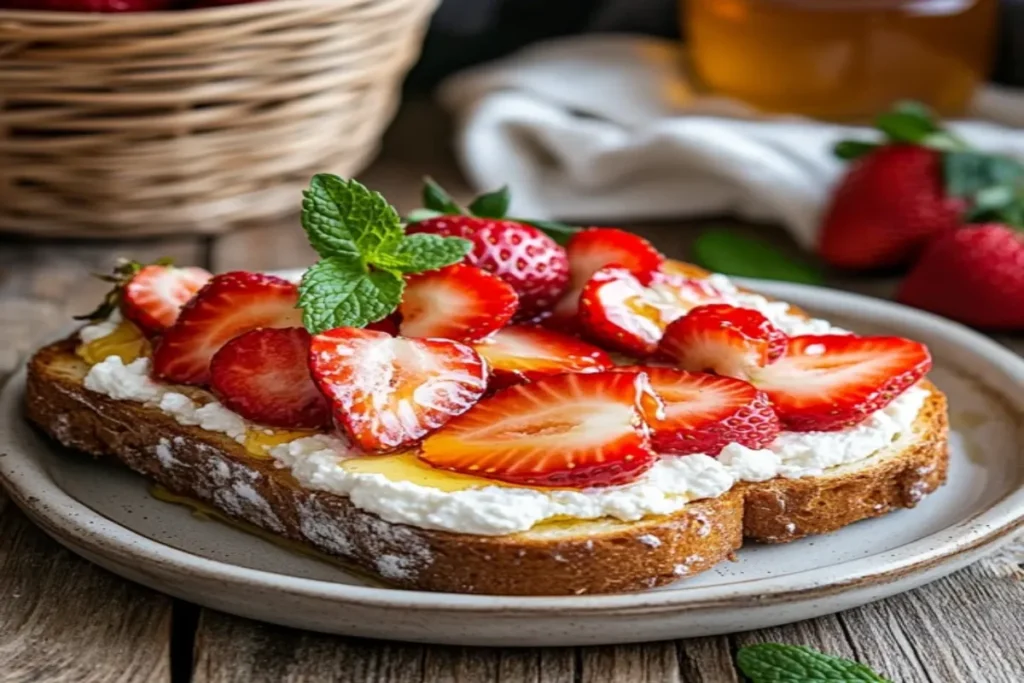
<point>77,526</point>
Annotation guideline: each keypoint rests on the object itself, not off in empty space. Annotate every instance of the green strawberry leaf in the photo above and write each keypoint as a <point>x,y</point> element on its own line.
<point>491,204</point>
<point>907,122</point>
<point>848,150</point>
<point>421,251</point>
<point>559,232</point>
<point>724,251</point>
<point>340,291</point>
<point>776,663</point>
<point>343,216</point>
<point>418,215</point>
<point>436,199</point>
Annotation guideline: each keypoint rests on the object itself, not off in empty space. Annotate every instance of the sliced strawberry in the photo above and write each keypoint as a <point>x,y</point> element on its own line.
<point>388,324</point>
<point>525,353</point>
<point>154,297</point>
<point>229,305</point>
<point>831,382</point>
<point>576,430</point>
<point>389,392</point>
<point>457,302</point>
<point>263,375</point>
<point>629,311</point>
<point>723,339</point>
<point>591,250</point>
<point>704,413</point>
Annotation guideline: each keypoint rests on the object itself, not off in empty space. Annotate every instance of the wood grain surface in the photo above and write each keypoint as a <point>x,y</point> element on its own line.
<point>62,619</point>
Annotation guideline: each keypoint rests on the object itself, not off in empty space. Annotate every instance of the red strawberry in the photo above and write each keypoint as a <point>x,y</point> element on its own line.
<point>889,204</point>
<point>263,375</point>
<point>457,302</point>
<point>723,339</point>
<point>974,275</point>
<point>388,324</point>
<point>519,254</point>
<point>589,251</point>
<point>88,5</point>
<point>704,413</point>
<point>629,311</point>
<point>389,392</point>
<point>831,382</point>
<point>575,430</point>
<point>524,353</point>
<point>155,295</point>
<point>229,305</point>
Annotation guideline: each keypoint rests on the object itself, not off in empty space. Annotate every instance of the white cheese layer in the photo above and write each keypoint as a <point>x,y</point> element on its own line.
<point>667,487</point>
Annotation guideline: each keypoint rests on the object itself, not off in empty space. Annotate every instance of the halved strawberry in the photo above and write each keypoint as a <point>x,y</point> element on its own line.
<point>704,413</point>
<point>263,375</point>
<point>229,305</point>
<point>831,382</point>
<point>576,430</point>
<point>389,392</point>
<point>629,311</point>
<point>589,251</point>
<point>723,339</point>
<point>525,353</point>
<point>457,302</point>
<point>155,295</point>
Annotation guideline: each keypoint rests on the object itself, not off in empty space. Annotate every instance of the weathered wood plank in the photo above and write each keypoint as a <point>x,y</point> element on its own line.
<point>62,618</point>
<point>706,660</point>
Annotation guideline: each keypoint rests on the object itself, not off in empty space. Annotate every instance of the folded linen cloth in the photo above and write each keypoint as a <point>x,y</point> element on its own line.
<point>609,129</point>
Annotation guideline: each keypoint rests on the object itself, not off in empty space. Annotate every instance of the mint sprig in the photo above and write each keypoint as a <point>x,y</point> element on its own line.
<point>364,254</point>
<point>437,202</point>
<point>776,663</point>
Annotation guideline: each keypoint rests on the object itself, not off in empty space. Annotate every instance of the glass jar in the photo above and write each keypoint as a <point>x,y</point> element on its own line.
<point>842,59</point>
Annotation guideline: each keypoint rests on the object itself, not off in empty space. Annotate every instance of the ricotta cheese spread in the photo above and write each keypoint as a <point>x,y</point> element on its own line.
<point>667,487</point>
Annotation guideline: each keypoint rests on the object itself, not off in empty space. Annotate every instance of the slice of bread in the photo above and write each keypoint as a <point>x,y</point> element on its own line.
<point>601,556</point>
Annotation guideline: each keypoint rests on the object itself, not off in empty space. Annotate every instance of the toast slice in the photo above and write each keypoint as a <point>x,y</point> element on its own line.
<point>600,556</point>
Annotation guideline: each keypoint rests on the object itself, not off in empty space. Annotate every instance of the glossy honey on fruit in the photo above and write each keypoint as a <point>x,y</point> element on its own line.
<point>408,467</point>
<point>841,59</point>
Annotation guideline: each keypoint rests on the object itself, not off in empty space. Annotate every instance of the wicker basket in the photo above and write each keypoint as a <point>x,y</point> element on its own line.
<point>193,121</point>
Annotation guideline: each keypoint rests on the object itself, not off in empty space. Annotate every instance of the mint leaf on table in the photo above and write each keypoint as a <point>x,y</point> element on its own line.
<point>364,253</point>
<point>726,252</point>
<point>776,663</point>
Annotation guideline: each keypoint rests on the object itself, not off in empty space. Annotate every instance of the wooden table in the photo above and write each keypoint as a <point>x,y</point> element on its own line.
<point>63,619</point>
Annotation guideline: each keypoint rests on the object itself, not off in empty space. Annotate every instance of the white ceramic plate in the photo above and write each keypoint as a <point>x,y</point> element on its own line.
<point>107,515</point>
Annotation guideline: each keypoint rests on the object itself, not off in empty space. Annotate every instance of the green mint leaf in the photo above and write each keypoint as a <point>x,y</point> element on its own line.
<point>969,173</point>
<point>492,204</point>
<point>341,291</point>
<point>776,663</point>
<point>436,199</point>
<point>559,232</point>
<point>726,252</point>
<point>418,215</point>
<point>422,251</point>
<point>848,150</point>
<point>344,217</point>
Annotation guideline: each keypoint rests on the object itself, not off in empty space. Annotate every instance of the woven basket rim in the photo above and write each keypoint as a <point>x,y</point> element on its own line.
<point>170,17</point>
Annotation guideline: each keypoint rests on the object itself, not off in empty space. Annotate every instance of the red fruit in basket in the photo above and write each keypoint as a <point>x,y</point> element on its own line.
<point>389,392</point>
<point>525,353</point>
<point>628,311</point>
<point>703,413</point>
<point>263,375</point>
<point>831,382</point>
<point>590,250</point>
<point>521,255</point>
<point>229,305</point>
<point>576,430</point>
<point>457,302</point>
<point>887,207</point>
<point>89,5</point>
<point>155,295</point>
<point>974,275</point>
<point>723,339</point>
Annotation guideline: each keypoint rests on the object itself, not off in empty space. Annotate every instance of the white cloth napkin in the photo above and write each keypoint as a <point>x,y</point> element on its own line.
<point>608,129</point>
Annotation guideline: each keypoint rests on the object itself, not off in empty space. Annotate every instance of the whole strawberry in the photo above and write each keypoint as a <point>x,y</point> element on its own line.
<point>921,181</point>
<point>974,275</point>
<point>526,258</point>
<point>88,5</point>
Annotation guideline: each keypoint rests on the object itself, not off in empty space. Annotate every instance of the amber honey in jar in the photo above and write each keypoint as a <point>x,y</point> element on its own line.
<point>841,59</point>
